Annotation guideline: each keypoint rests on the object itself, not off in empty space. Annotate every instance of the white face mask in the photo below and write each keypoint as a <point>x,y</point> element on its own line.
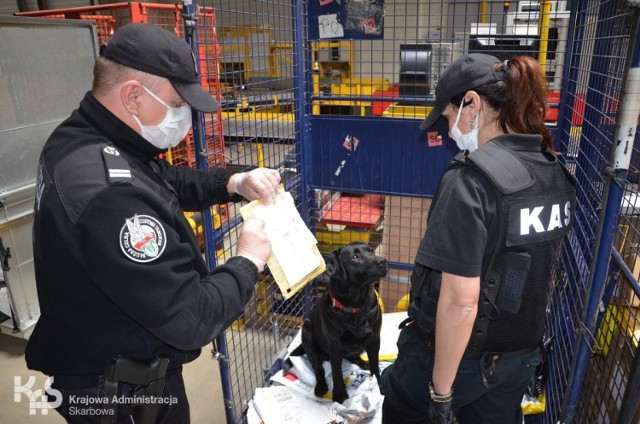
<point>173,128</point>
<point>467,141</point>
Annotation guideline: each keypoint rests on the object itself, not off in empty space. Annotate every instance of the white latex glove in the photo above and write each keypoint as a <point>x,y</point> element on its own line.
<point>253,243</point>
<point>259,183</point>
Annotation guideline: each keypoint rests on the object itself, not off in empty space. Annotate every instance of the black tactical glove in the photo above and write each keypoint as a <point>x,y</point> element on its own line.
<point>440,408</point>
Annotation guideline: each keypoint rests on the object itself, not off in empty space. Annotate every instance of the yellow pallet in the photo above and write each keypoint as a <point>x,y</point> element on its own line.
<point>404,111</point>
<point>359,86</point>
<point>346,236</point>
<point>378,84</point>
<point>274,113</point>
<point>617,318</point>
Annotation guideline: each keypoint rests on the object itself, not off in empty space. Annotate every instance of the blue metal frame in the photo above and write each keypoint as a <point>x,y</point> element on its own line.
<point>301,117</point>
<point>562,302</point>
<point>190,17</point>
<point>302,127</point>
<point>395,159</point>
<point>609,219</point>
<point>189,14</point>
<point>630,405</point>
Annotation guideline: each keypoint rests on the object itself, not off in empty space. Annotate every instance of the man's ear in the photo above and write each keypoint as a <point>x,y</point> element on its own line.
<point>334,265</point>
<point>129,93</point>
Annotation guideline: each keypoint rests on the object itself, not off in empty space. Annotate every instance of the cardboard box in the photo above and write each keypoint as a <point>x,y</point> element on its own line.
<point>630,294</point>
<point>624,294</point>
<point>626,244</point>
<point>611,367</point>
<point>405,221</point>
<point>393,288</point>
<point>267,306</point>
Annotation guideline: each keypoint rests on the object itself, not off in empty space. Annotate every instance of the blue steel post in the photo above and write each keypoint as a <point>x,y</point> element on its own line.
<point>577,25</point>
<point>190,17</point>
<point>595,247</point>
<point>222,355</point>
<point>624,136</point>
<point>625,132</point>
<point>301,118</point>
<point>301,63</point>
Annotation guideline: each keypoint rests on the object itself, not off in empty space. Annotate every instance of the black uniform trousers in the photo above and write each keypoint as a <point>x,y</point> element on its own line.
<point>405,386</point>
<point>78,408</point>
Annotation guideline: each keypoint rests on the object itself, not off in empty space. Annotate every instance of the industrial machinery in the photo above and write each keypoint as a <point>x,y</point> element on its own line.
<point>420,68</point>
<point>334,76</point>
<point>526,21</point>
<point>533,30</point>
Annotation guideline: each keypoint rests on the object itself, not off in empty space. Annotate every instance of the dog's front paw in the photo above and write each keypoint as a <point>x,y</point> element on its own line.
<point>340,396</point>
<point>321,388</point>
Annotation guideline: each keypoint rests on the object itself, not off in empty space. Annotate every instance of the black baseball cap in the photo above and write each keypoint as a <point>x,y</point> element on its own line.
<point>154,50</point>
<point>464,74</point>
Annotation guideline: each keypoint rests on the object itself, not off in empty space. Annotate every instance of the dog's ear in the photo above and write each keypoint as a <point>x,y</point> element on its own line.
<point>334,265</point>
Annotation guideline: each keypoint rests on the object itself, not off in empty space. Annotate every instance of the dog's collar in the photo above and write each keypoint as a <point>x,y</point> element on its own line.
<point>338,305</point>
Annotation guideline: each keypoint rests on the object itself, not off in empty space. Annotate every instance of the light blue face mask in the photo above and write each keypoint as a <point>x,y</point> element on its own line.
<point>173,128</point>
<point>467,141</point>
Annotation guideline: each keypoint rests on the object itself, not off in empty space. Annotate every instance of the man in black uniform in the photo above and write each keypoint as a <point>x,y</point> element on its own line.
<point>481,276</point>
<point>126,297</point>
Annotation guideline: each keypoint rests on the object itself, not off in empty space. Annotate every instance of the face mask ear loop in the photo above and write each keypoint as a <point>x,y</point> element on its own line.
<point>135,118</point>
<point>152,94</point>
<point>477,121</point>
<point>459,113</point>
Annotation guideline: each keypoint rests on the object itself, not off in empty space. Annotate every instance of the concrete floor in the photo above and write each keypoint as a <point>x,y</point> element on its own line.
<point>202,380</point>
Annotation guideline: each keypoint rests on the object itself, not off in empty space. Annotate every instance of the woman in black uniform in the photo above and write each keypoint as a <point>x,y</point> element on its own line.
<point>479,285</point>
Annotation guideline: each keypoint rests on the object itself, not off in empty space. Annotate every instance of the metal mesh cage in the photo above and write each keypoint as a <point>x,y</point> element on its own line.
<point>331,93</point>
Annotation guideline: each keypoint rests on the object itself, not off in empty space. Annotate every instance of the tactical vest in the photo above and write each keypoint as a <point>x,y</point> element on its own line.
<point>536,207</point>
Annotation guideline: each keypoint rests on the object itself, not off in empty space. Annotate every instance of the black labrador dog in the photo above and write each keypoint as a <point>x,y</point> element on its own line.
<point>347,319</point>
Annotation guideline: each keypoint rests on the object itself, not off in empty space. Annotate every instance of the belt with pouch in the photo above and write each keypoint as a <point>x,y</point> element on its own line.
<point>77,382</point>
<point>125,377</point>
<point>475,354</point>
<point>468,354</point>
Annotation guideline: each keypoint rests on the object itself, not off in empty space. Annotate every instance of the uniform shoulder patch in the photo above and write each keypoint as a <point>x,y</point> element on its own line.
<point>142,238</point>
<point>116,166</point>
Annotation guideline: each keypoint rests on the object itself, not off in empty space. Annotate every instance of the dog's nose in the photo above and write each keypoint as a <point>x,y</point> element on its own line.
<point>380,261</point>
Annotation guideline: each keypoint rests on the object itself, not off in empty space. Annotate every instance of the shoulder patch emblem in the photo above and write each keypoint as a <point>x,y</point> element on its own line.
<point>142,238</point>
<point>111,150</point>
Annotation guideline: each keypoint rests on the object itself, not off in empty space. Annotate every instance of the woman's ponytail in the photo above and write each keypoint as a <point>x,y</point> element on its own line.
<point>525,100</point>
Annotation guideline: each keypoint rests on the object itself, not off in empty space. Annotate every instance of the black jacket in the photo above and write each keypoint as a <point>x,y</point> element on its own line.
<point>118,269</point>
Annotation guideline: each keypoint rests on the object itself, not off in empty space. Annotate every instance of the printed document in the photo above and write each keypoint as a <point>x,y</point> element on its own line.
<point>295,258</point>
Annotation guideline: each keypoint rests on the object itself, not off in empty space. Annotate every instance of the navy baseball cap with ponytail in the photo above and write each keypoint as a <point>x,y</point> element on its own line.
<point>464,74</point>
<point>154,50</point>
